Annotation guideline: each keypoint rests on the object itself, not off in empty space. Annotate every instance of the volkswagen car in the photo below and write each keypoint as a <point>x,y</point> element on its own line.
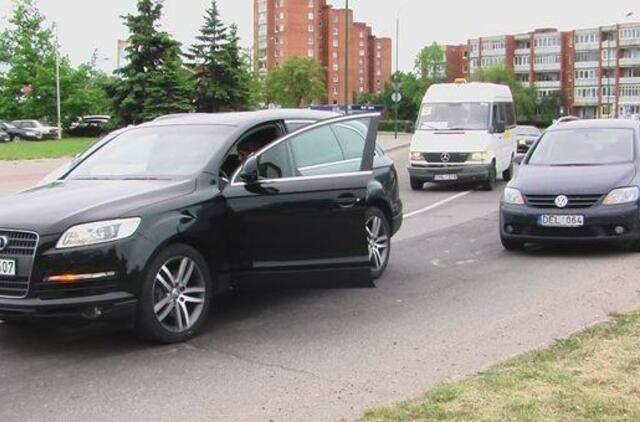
<point>154,220</point>
<point>579,183</point>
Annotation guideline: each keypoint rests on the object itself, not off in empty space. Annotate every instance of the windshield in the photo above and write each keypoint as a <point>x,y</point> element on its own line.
<point>584,147</point>
<point>454,116</point>
<point>157,152</point>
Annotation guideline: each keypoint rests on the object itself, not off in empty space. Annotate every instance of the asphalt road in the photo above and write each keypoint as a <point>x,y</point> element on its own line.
<point>451,303</point>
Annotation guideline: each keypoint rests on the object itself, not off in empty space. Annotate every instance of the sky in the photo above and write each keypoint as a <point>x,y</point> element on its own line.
<point>87,25</point>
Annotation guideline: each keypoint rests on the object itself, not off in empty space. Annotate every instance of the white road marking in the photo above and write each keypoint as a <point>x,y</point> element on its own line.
<point>437,204</point>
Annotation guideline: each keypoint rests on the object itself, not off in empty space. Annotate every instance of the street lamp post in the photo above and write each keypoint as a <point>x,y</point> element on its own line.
<point>397,75</point>
<point>58,107</point>
<point>346,57</point>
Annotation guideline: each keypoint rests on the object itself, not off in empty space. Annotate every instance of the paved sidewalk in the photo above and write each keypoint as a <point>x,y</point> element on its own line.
<point>388,142</point>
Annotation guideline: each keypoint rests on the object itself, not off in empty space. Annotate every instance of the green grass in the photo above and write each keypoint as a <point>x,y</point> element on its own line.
<point>593,376</point>
<point>31,150</point>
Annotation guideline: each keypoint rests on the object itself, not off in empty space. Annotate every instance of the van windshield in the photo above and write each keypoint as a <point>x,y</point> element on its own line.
<point>454,116</point>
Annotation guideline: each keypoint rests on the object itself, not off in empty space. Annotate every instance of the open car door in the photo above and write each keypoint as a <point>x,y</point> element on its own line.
<point>296,209</point>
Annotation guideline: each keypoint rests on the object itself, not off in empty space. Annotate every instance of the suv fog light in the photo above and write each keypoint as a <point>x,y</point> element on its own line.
<point>620,230</point>
<point>509,228</point>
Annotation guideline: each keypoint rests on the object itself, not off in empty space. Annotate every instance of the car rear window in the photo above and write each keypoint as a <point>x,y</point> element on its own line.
<point>585,146</point>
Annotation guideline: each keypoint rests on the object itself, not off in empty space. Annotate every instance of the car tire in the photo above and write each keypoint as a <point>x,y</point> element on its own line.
<point>490,183</point>
<point>416,184</point>
<point>175,296</point>
<point>507,175</point>
<point>511,245</point>
<point>378,232</point>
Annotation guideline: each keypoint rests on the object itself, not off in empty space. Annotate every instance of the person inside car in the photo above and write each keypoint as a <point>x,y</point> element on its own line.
<point>245,148</point>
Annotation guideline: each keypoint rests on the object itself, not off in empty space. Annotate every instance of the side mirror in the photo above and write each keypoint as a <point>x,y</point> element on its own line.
<point>499,127</point>
<point>519,158</point>
<point>249,171</point>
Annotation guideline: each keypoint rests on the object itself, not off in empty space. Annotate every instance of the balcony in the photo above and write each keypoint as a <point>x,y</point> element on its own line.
<point>630,61</point>
<point>494,52</point>
<point>547,84</point>
<point>521,68</point>
<point>629,80</point>
<point>522,51</point>
<point>587,46</point>
<point>548,50</point>
<point>628,42</point>
<point>608,81</point>
<point>586,82</point>
<point>542,67</point>
<point>625,101</point>
<point>609,44</point>
<point>585,101</point>
<point>587,65</point>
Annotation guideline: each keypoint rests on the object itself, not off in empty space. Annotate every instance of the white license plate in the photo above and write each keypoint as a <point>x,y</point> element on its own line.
<point>8,267</point>
<point>561,220</point>
<point>445,177</point>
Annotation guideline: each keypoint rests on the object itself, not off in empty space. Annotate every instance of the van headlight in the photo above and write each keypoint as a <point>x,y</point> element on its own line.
<point>622,196</point>
<point>98,232</point>
<point>416,156</point>
<point>512,196</point>
<point>482,156</point>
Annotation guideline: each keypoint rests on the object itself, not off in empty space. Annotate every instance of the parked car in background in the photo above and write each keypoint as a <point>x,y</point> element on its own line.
<point>4,136</point>
<point>579,183</point>
<point>464,134</point>
<point>18,133</point>
<point>565,119</point>
<point>153,221</point>
<point>90,126</point>
<point>526,136</point>
<point>46,132</point>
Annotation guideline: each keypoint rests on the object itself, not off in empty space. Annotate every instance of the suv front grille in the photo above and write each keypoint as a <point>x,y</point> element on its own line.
<point>575,201</point>
<point>21,248</point>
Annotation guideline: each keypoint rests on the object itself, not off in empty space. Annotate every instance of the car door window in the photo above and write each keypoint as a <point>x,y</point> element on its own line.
<point>334,148</point>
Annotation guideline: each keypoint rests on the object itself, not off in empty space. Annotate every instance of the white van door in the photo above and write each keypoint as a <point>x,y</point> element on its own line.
<point>503,123</point>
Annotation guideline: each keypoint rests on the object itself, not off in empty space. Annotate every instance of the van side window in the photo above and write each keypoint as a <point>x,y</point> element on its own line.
<point>497,113</point>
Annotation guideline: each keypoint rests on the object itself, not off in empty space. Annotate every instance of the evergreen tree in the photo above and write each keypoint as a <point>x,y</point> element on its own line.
<point>154,81</point>
<point>210,58</point>
<point>238,70</point>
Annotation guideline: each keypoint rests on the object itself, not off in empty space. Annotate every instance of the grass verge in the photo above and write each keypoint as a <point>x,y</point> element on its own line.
<point>594,375</point>
<point>31,150</point>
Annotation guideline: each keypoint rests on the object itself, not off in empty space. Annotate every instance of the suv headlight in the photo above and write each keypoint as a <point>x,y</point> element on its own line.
<point>622,196</point>
<point>482,156</point>
<point>99,232</point>
<point>512,196</point>
<point>416,156</point>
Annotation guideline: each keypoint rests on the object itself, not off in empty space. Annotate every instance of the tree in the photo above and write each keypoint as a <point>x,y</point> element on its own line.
<point>548,108</point>
<point>27,88</point>
<point>238,67</point>
<point>297,83</point>
<point>524,98</point>
<point>209,58</point>
<point>154,82</point>
<point>431,63</point>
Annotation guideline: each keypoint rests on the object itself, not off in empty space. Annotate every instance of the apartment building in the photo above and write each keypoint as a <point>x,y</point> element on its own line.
<point>313,28</point>
<point>596,71</point>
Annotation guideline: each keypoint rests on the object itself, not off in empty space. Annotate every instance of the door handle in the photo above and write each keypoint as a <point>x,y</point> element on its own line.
<point>347,200</point>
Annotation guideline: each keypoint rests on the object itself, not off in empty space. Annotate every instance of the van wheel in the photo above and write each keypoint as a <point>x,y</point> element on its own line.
<point>507,175</point>
<point>416,184</point>
<point>490,184</point>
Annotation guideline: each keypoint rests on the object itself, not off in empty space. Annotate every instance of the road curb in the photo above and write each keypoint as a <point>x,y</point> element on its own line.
<point>396,147</point>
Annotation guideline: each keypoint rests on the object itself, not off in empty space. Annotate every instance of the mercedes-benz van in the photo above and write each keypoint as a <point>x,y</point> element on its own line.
<point>464,134</point>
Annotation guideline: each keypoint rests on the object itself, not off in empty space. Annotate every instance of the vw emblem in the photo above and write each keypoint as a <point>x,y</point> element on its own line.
<point>445,157</point>
<point>562,201</point>
<point>4,242</point>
